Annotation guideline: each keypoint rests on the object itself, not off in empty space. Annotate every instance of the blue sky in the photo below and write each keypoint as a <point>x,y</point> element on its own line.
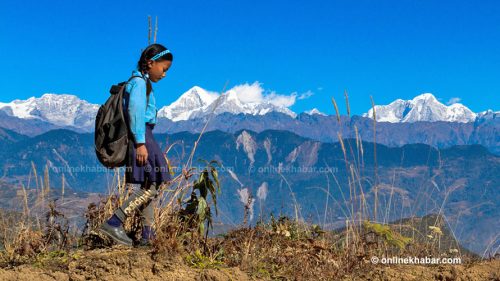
<point>387,49</point>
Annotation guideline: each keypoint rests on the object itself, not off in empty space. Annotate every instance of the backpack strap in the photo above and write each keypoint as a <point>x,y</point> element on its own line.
<point>115,89</point>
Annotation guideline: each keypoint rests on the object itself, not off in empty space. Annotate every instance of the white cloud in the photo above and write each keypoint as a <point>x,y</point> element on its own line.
<point>249,93</point>
<point>305,95</point>
<point>453,100</point>
<point>281,100</point>
<point>254,93</point>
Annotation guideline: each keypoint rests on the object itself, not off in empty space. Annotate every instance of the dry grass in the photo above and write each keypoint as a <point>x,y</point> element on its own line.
<point>282,248</point>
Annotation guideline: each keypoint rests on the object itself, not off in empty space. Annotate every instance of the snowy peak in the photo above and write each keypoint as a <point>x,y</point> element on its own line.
<point>61,110</point>
<point>314,111</point>
<point>425,97</point>
<point>198,103</point>
<point>424,107</point>
<point>232,103</point>
<point>487,115</point>
<point>193,100</point>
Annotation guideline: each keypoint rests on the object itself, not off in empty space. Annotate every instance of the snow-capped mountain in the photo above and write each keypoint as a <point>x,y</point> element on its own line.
<point>488,114</point>
<point>424,107</point>
<point>314,111</point>
<point>198,103</point>
<point>194,100</point>
<point>61,110</point>
<point>229,102</point>
<point>72,112</point>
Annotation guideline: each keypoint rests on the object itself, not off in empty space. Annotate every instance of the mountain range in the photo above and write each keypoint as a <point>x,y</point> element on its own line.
<point>70,111</point>
<point>424,107</point>
<point>58,110</point>
<point>420,120</point>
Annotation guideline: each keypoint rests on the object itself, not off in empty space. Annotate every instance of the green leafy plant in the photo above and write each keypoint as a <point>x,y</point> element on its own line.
<point>54,258</point>
<point>389,235</point>
<point>316,231</point>
<point>197,211</point>
<point>199,260</point>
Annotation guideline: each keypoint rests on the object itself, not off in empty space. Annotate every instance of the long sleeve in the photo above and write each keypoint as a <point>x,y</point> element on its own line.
<point>151,109</point>
<point>137,109</point>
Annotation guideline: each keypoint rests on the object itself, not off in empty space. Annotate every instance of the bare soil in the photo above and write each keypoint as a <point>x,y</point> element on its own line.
<point>141,264</point>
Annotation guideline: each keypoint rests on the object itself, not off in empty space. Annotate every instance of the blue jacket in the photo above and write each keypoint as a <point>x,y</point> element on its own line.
<point>139,113</point>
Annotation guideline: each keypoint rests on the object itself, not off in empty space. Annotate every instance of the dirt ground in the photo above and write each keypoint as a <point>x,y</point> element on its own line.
<point>480,271</point>
<point>140,264</point>
<point>119,264</point>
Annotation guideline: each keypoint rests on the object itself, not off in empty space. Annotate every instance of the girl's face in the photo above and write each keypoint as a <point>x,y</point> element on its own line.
<point>158,69</point>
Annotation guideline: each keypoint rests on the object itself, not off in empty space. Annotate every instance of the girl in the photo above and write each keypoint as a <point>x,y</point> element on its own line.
<point>146,167</point>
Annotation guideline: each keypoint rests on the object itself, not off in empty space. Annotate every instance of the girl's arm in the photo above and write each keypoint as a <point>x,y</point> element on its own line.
<point>137,109</point>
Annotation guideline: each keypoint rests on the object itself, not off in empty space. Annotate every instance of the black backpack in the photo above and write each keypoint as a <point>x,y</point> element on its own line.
<point>111,137</point>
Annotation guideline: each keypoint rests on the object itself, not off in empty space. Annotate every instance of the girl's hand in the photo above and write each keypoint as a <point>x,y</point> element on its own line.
<point>141,154</point>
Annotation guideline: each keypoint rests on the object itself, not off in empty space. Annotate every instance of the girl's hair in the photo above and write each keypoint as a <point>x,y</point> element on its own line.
<point>149,52</point>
